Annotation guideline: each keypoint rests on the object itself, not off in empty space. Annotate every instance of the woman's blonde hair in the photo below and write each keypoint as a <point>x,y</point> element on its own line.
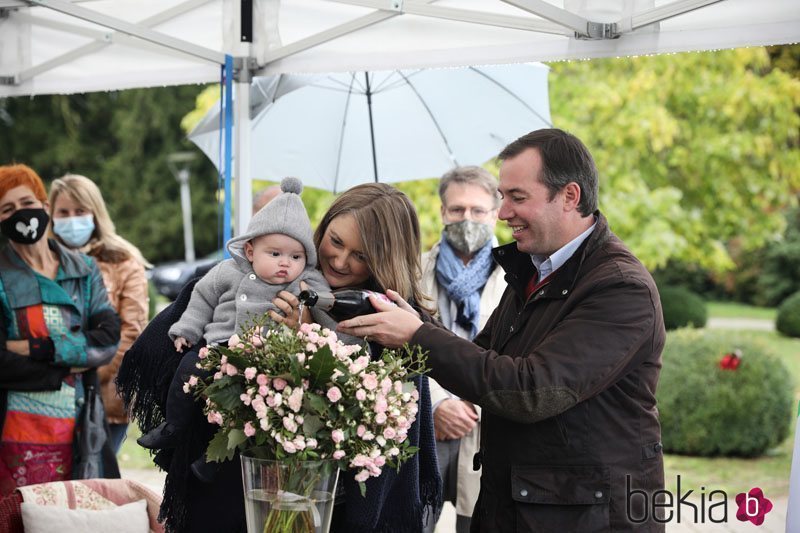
<point>390,237</point>
<point>104,244</point>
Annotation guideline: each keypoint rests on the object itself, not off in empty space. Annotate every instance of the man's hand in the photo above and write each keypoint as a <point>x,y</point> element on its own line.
<point>19,347</point>
<point>453,419</point>
<point>181,343</point>
<point>392,326</point>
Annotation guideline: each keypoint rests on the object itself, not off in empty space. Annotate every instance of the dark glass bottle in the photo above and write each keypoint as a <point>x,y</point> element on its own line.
<point>342,304</point>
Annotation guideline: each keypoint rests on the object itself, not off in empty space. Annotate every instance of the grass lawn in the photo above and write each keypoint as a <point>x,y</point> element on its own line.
<point>131,455</point>
<point>770,472</point>
<point>737,310</point>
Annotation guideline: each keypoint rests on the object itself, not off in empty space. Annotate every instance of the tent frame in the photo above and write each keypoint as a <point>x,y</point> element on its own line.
<point>555,20</point>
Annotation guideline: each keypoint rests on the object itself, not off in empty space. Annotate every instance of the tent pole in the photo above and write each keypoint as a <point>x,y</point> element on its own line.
<point>244,178</point>
<point>371,129</point>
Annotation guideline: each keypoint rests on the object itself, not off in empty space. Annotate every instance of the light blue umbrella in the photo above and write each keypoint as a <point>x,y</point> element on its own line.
<point>338,130</point>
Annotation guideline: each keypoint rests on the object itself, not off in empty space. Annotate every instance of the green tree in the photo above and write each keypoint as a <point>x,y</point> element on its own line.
<point>694,149</point>
<point>120,140</point>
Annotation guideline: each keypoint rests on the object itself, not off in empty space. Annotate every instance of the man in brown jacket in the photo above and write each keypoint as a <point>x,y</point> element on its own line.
<point>567,366</point>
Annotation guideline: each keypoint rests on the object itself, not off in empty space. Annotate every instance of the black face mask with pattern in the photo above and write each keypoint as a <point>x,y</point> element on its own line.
<point>26,226</point>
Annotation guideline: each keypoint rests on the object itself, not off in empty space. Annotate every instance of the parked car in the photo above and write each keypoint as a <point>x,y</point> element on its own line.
<point>169,278</point>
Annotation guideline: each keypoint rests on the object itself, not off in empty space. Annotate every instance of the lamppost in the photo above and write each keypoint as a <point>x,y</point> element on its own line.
<point>178,163</point>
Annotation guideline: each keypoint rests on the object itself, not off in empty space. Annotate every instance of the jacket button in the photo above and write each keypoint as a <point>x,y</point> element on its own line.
<point>243,297</point>
<point>598,494</point>
<point>658,447</point>
<point>564,292</point>
<point>511,329</point>
<point>523,492</point>
<point>541,292</point>
<point>252,276</point>
<point>501,252</point>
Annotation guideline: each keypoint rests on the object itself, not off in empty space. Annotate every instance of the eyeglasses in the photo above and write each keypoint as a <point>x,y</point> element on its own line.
<point>477,213</point>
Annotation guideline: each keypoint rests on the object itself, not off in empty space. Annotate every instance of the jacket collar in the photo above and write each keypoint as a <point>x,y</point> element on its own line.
<point>519,268</point>
<point>19,279</point>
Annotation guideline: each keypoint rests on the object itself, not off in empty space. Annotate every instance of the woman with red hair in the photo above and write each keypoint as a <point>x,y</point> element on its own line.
<point>56,327</point>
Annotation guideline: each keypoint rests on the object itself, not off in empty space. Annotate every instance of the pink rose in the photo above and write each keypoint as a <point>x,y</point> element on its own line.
<point>279,383</point>
<point>249,430</point>
<point>305,328</point>
<point>203,353</point>
<point>289,446</point>
<point>262,379</point>
<point>380,404</point>
<point>337,436</point>
<point>334,394</point>
<point>231,370</point>
<point>386,385</point>
<point>361,395</point>
<point>338,454</point>
<point>245,398</point>
<point>311,443</point>
<point>289,424</point>
<point>361,430</point>
<point>370,381</point>
<point>257,341</point>
<point>380,418</point>
<point>362,476</point>
<point>234,340</point>
<point>250,372</point>
<point>389,433</point>
<point>263,390</point>
<point>295,400</point>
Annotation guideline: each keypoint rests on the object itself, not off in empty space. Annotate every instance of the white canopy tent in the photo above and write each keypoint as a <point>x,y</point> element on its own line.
<point>57,46</point>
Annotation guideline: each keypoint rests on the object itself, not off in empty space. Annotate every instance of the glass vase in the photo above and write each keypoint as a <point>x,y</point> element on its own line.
<point>287,496</point>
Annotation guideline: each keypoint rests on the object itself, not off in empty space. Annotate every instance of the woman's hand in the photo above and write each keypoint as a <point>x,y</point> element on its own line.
<point>289,306</point>
<point>392,326</point>
<point>19,347</point>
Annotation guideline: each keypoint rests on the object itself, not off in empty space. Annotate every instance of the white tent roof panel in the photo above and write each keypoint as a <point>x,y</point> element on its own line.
<point>400,39</point>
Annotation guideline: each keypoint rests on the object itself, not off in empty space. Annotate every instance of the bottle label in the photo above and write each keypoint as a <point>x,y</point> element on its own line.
<point>380,296</point>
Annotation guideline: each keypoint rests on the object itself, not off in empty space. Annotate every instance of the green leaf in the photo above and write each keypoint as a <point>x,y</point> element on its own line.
<point>235,438</point>
<point>225,393</point>
<point>321,367</point>
<point>316,402</point>
<point>239,361</point>
<point>218,447</point>
<point>312,424</point>
<point>362,487</point>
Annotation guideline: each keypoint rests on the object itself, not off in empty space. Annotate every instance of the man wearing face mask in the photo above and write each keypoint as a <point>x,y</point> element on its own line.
<point>460,275</point>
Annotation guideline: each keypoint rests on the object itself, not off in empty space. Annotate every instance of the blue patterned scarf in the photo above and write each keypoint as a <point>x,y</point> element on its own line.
<point>463,283</point>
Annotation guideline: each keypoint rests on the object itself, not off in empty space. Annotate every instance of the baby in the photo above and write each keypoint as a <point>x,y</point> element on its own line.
<point>275,254</point>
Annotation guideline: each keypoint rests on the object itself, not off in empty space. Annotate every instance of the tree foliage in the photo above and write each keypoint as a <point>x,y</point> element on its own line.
<point>694,149</point>
<point>121,141</point>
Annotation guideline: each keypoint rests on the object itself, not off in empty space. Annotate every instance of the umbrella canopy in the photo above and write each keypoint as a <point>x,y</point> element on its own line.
<point>339,130</point>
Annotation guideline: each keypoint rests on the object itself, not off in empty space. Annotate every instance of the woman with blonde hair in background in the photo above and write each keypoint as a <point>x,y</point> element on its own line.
<point>81,222</point>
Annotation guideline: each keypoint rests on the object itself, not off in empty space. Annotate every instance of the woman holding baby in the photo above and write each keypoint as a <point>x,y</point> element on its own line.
<point>369,238</point>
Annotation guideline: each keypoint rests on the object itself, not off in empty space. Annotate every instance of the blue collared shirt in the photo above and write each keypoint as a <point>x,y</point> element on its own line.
<point>546,265</point>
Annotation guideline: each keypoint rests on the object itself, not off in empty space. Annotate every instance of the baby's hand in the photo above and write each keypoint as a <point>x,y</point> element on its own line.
<point>181,343</point>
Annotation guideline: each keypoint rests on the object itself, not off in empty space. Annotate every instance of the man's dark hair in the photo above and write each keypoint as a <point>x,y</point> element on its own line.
<point>564,159</point>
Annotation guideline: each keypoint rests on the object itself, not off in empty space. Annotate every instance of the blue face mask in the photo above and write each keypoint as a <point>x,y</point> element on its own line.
<point>74,231</point>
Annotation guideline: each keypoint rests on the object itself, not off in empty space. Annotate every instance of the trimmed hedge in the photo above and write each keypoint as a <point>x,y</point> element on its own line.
<point>682,308</point>
<point>788,320</point>
<point>706,410</point>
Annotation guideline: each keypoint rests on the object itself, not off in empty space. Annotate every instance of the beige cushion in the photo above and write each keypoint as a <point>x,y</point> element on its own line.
<point>129,518</point>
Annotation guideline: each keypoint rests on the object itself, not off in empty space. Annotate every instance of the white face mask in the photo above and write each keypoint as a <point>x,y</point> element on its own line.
<point>468,236</point>
<point>74,231</point>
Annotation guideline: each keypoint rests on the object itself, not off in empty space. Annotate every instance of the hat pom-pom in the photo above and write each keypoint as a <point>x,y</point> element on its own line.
<point>291,185</point>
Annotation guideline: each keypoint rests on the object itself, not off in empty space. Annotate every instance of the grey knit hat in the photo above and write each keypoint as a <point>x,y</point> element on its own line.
<point>285,214</point>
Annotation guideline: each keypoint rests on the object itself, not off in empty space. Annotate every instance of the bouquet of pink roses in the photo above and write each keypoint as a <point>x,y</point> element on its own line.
<point>306,396</point>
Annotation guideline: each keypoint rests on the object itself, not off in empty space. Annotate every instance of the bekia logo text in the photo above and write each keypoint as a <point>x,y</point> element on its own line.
<point>663,506</point>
